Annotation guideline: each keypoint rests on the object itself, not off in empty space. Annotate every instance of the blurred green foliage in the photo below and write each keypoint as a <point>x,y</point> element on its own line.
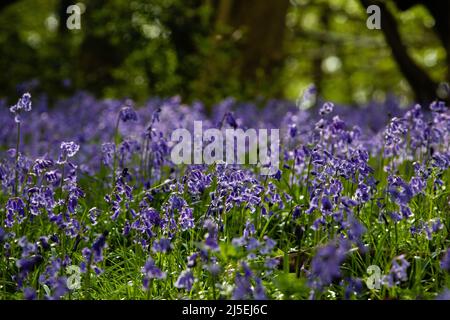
<point>355,62</point>
<point>143,48</point>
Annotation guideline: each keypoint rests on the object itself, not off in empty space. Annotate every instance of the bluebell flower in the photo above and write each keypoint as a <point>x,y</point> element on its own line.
<point>271,263</point>
<point>128,114</point>
<point>192,260</point>
<point>54,238</point>
<point>15,211</point>
<point>29,294</point>
<point>239,242</point>
<point>59,289</point>
<point>43,242</point>
<point>52,176</point>
<point>325,266</point>
<point>28,248</point>
<point>51,273</point>
<point>2,235</point>
<point>395,216</point>
<point>162,245</point>
<point>436,225</point>
<point>42,164</point>
<point>230,120</point>
<point>87,254</point>
<point>438,106</point>
<point>441,161</point>
<point>406,211</point>
<point>185,280</point>
<point>445,295</point>
<point>326,108</point>
<point>313,204</point>
<point>259,293</point>
<point>243,286</point>
<point>327,206</point>
<point>23,104</point>
<point>108,150</point>
<point>197,181</point>
<point>249,229</point>
<point>268,245</point>
<point>277,175</point>
<point>155,115</point>
<point>362,193</point>
<point>151,271</point>
<point>252,244</point>
<point>94,213</point>
<point>445,262</point>
<point>186,218</point>
<point>296,212</point>
<point>98,246</point>
<point>398,272</point>
<point>399,190</point>
<point>293,130</point>
<point>211,235</point>
<point>70,148</point>
<point>27,264</point>
<point>214,267</point>
<point>355,229</point>
<point>417,184</point>
<point>354,286</point>
<point>317,223</point>
<point>348,203</point>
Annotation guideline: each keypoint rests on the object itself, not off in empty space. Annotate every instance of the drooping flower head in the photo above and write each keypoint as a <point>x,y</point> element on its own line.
<point>29,293</point>
<point>211,235</point>
<point>185,280</point>
<point>69,149</point>
<point>108,150</point>
<point>445,262</point>
<point>229,118</point>
<point>162,245</point>
<point>2,235</point>
<point>398,272</point>
<point>127,113</point>
<point>438,106</point>
<point>27,264</point>
<point>98,246</point>
<point>326,264</point>
<point>24,104</point>
<point>151,271</point>
<point>326,108</point>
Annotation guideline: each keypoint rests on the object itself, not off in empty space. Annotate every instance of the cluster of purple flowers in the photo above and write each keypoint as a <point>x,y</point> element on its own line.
<point>79,191</point>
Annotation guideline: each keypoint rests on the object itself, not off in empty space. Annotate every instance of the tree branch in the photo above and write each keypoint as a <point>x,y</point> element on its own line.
<point>422,84</point>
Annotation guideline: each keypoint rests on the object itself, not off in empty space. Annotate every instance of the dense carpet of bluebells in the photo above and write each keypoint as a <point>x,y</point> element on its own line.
<point>91,206</point>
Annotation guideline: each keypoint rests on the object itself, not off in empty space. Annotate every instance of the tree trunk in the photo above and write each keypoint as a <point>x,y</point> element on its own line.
<point>259,26</point>
<point>263,23</point>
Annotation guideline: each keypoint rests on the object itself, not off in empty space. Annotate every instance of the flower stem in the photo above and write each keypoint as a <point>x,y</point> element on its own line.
<point>149,291</point>
<point>116,141</point>
<point>16,172</point>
